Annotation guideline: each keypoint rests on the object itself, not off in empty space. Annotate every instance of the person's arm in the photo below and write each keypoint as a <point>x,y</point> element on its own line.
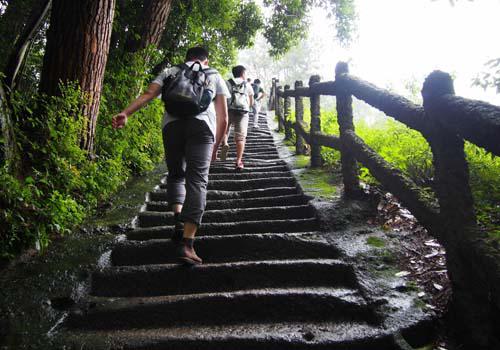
<point>250,100</point>
<point>262,94</point>
<point>120,119</point>
<point>222,120</point>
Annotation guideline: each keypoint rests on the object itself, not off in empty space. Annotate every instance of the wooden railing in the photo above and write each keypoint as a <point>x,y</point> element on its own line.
<point>445,121</point>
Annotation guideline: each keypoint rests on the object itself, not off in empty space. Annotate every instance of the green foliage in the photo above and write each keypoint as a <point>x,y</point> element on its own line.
<point>408,151</point>
<point>65,186</point>
<point>490,77</point>
<point>288,24</point>
<point>375,242</point>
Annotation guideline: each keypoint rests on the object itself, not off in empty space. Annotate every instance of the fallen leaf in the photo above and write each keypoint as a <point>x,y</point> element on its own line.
<point>437,286</point>
<point>402,274</point>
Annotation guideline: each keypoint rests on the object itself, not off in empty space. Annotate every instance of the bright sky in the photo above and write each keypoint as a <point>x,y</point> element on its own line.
<point>400,40</point>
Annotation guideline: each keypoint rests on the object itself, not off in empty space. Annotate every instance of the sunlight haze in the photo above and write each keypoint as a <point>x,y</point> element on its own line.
<point>400,41</point>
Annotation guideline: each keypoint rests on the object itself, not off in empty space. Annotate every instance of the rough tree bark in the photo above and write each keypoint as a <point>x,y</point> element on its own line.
<point>77,50</point>
<point>152,25</point>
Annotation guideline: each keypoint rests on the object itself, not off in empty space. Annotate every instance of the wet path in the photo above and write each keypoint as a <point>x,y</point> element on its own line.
<point>269,279</point>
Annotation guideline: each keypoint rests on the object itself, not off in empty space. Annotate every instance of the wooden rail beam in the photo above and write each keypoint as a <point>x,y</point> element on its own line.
<point>394,180</point>
<point>300,129</point>
<point>324,88</point>
<point>395,106</point>
<point>475,121</point>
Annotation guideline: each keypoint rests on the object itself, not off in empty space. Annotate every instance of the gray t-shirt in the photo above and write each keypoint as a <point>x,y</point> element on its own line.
<point>207,116</point>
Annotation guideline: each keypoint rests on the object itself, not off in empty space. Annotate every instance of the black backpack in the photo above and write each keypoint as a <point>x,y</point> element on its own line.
<point>188,92</point>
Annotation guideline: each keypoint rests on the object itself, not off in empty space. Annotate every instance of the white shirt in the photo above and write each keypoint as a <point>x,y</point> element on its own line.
<point>207,116</point>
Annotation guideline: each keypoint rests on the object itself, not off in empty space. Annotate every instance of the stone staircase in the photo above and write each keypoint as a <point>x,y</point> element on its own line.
<point>270,280</point>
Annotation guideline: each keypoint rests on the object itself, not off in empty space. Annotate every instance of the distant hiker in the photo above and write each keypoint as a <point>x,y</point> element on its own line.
<point>238,105</point>
<point>258,95</point>
<point>194,123</point>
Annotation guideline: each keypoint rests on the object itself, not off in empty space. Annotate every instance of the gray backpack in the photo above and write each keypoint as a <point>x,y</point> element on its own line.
<point>239,97</point>
<point>188,92</point>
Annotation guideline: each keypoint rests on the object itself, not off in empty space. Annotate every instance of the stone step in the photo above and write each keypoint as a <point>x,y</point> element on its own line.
<point>230,248</point>
<point>296,199</point>
<point>245,336</point>
<point>249,175</point>
<point>161,195</point>
<point>229,168</point>
<point>237,185</point>
<point>156,280</point>
<point>260,305</point>
<point>250,164</point>
<point>230,228</point>
<point>256,151</point>
<point>253,156</point>
<point>155,218</point>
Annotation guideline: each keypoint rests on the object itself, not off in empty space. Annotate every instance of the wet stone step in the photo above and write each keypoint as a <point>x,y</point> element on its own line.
<point>161,195</point>
<point>296,199</point>
<point>247,184</point>
<point>247,336</point>
<point>229,168</point>
<point>268,305</point>
<point>156,280</point>
<point>219,249</point>
<point>250,163</point>
<point>152,218</point>
<point>249,175</point>
<point>230,228</point>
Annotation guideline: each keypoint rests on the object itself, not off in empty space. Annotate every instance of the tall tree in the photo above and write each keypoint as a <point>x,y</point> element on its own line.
<point>24,41</point>
<point>12,23</point>
<point>151,25</point>
<point>288,24</point>
<point>77,50</point>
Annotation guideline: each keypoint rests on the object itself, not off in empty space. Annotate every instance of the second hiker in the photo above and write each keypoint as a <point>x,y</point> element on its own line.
<point>238,107</point>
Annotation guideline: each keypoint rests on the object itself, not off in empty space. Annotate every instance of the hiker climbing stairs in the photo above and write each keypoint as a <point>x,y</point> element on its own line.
<point>269,280</point>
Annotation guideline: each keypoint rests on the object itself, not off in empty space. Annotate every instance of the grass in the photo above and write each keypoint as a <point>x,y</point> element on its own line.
<point>375,242</point>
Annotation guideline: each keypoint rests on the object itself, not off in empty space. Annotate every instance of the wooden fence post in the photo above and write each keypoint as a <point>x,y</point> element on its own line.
<point>272,96</point>
<point>279,108</point>
<point>286,114</point>
<point>452,171</point>
<point>344,116</point>
<point>299,118</point>
<point>471,287</point>
<point>316,160</point>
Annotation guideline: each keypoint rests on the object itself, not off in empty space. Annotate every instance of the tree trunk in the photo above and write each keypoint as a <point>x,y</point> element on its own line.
<point>152,24</point>
<point>12,23</point>
<point>77,50</point>
<point>23,43</point>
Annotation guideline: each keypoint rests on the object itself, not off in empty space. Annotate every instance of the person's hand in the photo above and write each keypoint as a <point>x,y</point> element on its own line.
<point>214,153</point>
<point>119,120</point>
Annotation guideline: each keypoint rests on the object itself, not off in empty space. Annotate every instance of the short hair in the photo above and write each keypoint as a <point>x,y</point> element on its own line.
<point>238,71</point>
<point>256,81</point>
<point>249,80</point>
<point>197,53</point>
